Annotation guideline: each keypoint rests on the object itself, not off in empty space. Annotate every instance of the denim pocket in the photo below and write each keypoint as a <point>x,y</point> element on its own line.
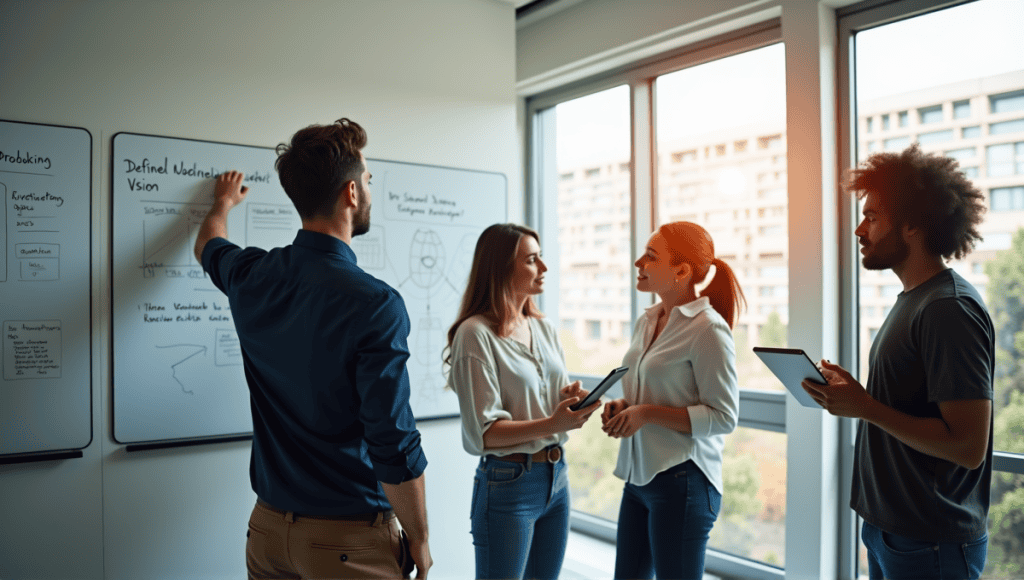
<point>974,556</point>
<point>472,501</point>
<point>906,546</point>
<point>504,472</point>
<point>714,499</point>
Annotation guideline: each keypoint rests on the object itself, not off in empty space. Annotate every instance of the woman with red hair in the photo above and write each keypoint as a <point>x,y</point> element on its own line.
<point>681,398</point>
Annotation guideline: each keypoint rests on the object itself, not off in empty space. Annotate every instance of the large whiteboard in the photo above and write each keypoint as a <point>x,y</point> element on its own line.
<point>177,362</point>
<point>45,229</point>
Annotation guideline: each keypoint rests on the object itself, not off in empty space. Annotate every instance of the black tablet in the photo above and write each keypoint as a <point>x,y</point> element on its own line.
<point>612,378</point>
<point>792,366</point>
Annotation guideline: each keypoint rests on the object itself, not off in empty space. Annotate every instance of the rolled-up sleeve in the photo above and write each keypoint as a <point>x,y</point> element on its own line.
<point>714,371</point>
<point>393,442</point>
<point>475,381</point>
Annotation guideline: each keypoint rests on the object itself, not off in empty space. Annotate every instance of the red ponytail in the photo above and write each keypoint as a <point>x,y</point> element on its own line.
<point>690,243</point>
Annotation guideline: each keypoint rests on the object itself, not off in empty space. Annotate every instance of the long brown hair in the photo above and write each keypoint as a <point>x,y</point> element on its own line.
<point>489,290</point>
<point>688,242</point>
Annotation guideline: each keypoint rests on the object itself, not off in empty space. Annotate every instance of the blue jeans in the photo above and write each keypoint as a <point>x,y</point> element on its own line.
<point>520,518</point>
<point>898,557</point>
<point>664,525</point>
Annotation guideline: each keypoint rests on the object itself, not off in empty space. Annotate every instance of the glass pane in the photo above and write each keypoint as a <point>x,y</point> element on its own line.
<point>1007,127</point>
<point>593,153</point>
<point>935,137</point>
<point>594,282</point>
<point>962,154</point>
<point>896,143</point>
<point>931,114</point>
<point>1006,527</point>
<point>722,164</point>
<point>1007,102</point>
<point>752,523</point>
<point>591,457</point>
<point>972,56</point>
<point>962,109</point>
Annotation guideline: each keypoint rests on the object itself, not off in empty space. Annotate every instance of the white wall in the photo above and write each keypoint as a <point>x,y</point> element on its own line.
<point>431,81</point>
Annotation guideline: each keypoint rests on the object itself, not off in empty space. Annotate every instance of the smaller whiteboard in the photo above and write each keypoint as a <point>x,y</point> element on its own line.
<point>45,271</point>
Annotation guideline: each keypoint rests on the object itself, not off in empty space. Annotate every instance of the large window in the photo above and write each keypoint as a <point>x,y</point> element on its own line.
<point>721,158</point>
<point>699,137</point>
<point>592,136</point>
<point>592,152</point>
<point>965,54</point>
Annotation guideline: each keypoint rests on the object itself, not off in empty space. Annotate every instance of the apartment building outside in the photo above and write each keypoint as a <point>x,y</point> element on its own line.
<point>734,184</point>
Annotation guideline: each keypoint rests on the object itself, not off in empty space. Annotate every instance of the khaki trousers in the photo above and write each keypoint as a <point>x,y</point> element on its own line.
<point>282,545</point>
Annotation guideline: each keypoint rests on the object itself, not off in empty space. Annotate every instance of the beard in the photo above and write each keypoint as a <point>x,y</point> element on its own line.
<point>887,252</point>
<point>361,220</point>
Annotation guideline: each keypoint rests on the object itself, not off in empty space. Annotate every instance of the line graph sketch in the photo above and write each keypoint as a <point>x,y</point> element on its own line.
<point>169,232</point>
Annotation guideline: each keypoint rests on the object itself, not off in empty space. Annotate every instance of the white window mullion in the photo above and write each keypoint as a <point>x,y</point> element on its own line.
<point>812,490</point>
<point>643,174</point>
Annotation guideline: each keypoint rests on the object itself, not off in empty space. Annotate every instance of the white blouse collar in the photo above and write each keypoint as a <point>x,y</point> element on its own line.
<point>690,309</point>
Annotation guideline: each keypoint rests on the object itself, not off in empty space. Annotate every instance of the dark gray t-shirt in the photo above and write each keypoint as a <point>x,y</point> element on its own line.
<point>937,344</point>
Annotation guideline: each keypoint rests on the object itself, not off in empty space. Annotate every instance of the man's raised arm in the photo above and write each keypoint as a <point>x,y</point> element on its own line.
<point>227,193</point>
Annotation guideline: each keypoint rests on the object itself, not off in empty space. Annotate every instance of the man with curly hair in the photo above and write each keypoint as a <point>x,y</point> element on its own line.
<point>923,457</point>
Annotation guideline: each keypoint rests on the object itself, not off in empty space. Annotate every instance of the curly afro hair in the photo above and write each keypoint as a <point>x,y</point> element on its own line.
<point>925,191</point>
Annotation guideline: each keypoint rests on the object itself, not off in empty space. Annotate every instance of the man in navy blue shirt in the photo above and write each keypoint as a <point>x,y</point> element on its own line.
<point>336,455</point>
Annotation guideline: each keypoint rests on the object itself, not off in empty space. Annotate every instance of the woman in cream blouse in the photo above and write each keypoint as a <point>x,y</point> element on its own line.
<point>681,398</point>
<point>508,370</point>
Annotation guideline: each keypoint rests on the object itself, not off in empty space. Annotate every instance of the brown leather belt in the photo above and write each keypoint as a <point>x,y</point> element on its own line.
<point>369,517</point>
<point>549,455</point>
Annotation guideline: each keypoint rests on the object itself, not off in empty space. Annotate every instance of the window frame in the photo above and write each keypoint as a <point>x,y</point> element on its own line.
<point>758,409</point>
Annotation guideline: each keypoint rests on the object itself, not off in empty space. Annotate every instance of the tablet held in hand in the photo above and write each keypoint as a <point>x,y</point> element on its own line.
<point>607,383</point>
<point>792,366</point>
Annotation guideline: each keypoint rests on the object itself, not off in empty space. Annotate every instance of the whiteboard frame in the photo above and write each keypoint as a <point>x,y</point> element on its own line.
<point>62,452</point>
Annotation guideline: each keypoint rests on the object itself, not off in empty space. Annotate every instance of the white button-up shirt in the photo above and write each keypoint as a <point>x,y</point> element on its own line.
<point>500,378</point>
<point>692,364</point>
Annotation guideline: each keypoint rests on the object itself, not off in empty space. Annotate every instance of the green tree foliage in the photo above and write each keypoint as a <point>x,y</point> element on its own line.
<point>773,333</point>
<point>1005,302</point>
<point>591,457</point>
<point>1006,305</point>
<point>1006,544</point>
<point>739,478</point>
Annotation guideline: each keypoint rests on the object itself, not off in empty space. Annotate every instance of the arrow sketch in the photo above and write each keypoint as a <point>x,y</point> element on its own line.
<point>201,350</point>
